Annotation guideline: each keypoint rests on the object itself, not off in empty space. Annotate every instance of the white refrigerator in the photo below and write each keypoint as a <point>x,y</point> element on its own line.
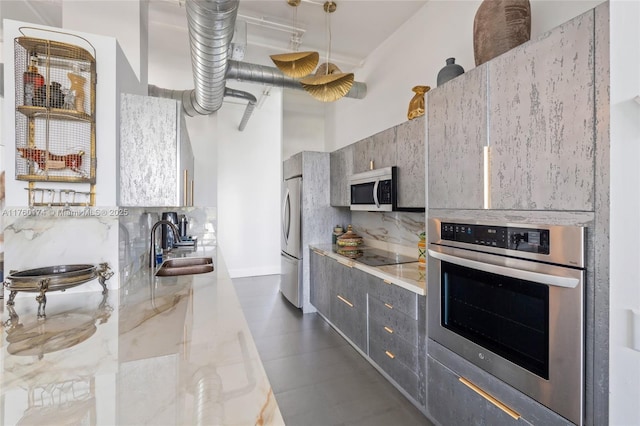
<point>291,241</point>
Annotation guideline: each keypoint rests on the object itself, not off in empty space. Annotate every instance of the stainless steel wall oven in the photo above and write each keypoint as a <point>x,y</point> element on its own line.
<point>510,299</point>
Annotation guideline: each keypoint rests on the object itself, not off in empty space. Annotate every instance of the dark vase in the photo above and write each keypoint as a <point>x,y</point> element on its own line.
<point>451,70</point>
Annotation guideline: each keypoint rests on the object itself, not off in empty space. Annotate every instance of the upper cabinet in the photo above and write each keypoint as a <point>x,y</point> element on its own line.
<point>402,146</point>
<point>533,107</point>
<point>341,168</point>
<point>541,128</point>
<point>457,134</point>
<point>378,150</point>
<point>410,159</point>
<point>156,161</point>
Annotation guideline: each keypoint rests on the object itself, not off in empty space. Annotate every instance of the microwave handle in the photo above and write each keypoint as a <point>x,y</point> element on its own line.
<point>375,193</point>
<point>537,277</point>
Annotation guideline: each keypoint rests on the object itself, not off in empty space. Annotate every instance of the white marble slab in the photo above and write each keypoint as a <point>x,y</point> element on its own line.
<point>160,351</point>
<point>392,231</point>
<point>42,237</point>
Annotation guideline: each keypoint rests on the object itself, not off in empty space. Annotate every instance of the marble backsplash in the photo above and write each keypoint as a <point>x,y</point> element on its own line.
<point>135,233</point>
<point>49,236</point>
<point>393,231</point>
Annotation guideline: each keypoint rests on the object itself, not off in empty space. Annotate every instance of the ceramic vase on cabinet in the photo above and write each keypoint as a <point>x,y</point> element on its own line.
<point>451,70</point>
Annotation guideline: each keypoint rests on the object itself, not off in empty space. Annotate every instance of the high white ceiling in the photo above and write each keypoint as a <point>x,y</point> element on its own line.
<point>357,26</point>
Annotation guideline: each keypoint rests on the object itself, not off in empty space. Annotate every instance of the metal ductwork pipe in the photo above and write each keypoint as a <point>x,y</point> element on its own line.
<point>261,74</point>
<point>251,105</point>
<point>189,105</point>
<point>185,96</point>
<point>211,24</point>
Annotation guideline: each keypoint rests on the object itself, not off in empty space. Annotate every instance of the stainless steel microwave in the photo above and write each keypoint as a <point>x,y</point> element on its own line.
<point>375,190</point>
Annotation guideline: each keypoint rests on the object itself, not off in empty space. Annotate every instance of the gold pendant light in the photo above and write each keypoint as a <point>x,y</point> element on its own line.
<point>296,64</point>
<point>328,84</point>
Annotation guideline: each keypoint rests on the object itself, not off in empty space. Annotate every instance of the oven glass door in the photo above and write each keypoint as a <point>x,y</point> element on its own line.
<point>508,316</point>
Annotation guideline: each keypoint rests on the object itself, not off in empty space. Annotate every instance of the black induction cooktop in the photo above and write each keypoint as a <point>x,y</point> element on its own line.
<point>374,257</point>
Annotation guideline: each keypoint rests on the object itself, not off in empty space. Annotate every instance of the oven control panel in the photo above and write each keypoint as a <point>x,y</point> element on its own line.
<point>519,239</point>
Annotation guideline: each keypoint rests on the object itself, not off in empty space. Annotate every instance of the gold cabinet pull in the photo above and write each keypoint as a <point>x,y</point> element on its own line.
<point>387,282</point>
<point>388,329</point>
<point>389,354</point>
<point>318,252</point>
<point>348,265</point>
<point>185,191</point>
<point>490,398</point>
<point>388,305</point>
<point>345,301</point>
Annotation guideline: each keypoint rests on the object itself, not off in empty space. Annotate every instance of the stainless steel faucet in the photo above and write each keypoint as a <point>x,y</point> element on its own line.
<point>176,237</point>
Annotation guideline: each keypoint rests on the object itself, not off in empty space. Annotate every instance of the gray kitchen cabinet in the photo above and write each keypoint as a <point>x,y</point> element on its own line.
<point>534,108</point>
<point>379,148</point>
<point>402,146</point>
<point>456,137</point>
<point>397,333</point>
<point>453,398</point>
<point>348,311</point>
<point>154,153</point>
<point>341,168</point>
<point>320,282</point>
<point>410,159</point>
<point>542,121</point>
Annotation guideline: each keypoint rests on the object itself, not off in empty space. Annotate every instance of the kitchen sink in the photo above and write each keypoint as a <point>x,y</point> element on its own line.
<point>185,266</point>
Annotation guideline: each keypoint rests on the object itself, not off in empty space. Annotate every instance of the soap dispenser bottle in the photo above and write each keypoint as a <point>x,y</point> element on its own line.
<point>183,227</point>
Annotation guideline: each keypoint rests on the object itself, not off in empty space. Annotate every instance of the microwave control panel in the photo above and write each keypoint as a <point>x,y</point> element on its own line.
<point>519,239</point>
<point>385,191</point>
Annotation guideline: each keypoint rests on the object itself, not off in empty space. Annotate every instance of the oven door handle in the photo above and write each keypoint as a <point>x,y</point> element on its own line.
<point>537,277</point>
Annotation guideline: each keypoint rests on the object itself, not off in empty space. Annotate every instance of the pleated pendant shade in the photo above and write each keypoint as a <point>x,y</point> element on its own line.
<point>296,64</point>
<point>328,84</point>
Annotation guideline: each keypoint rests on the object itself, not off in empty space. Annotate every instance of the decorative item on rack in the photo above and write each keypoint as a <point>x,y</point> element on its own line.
<point>328,84</point>
<point>422,251</point>
<point>46,197</point>
<point>449,71</point>
<point>77,87</point>
<point>416,105</point>
<point>55,127</point>
<point>296,64</point>
<point>500,25</point>
<point>32,81</point>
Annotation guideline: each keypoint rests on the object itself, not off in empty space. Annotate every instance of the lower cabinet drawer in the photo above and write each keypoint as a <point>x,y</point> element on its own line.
<point>402,324</point>
<point>451,402</point>
<point>388,338</point>
<point>389,362</point>
<point>350,317</point>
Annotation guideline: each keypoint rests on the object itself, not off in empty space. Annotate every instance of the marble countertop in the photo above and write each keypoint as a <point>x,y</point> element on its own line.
<point>157,351</point>
<point>405,275</point>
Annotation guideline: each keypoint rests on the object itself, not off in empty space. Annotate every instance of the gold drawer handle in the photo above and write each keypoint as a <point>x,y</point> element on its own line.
<point>345,301</point>
<point>389,354</point>
<point>388,306</point>
<point>387,282</point>
<point>490,398</point>
<point>318,252</point>
<point>388,330</point>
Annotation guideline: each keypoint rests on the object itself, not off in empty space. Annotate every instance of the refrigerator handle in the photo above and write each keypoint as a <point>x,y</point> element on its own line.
<point>286,213</point>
